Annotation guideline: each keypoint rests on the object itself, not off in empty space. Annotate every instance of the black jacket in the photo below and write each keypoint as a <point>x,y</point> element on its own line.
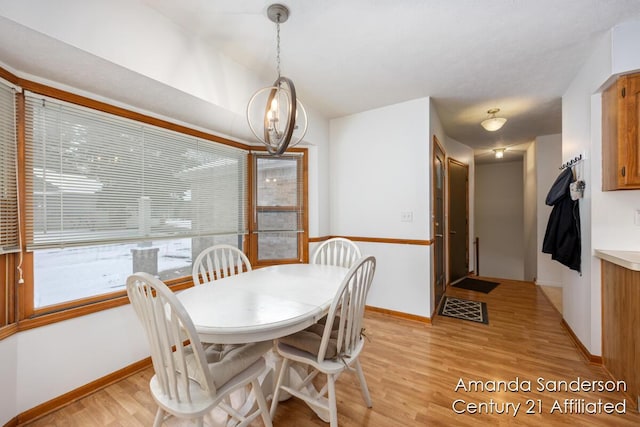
<point>562,238</point>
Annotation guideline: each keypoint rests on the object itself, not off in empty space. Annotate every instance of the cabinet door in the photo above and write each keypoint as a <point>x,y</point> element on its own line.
<point>629,150</point>
<point>612,103</point>
<point>620,137</point>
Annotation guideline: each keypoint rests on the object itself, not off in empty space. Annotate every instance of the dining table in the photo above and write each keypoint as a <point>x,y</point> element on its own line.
<point>261,305</point>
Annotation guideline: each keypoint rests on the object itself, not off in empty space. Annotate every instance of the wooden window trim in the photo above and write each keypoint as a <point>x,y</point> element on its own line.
<point>7,296</point>
<point>82,307</point>
<point>16,307</point>
<point>303,238</point>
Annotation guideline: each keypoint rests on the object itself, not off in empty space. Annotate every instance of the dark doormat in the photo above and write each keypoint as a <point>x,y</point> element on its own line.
<point>477,285</point>
<point>474,311</point>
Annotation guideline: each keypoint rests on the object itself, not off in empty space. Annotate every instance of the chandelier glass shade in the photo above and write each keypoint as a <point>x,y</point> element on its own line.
<point>276,116</point>
<point>493,123</point>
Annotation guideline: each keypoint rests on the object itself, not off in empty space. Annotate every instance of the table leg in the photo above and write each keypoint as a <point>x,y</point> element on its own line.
<point>246,402</point>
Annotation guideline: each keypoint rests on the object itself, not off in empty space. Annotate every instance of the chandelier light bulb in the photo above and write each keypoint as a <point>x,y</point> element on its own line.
<point>274,107</point>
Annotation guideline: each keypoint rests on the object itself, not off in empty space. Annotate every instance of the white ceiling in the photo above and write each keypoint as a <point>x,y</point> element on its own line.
<point>348,56</point>
<point>469,55</point>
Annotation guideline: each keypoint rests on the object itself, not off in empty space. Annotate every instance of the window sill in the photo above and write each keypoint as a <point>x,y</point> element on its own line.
<point>46,317</point>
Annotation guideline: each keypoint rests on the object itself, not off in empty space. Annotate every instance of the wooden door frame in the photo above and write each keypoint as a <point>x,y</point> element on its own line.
<point>438,145</point>
<point>448,212</point>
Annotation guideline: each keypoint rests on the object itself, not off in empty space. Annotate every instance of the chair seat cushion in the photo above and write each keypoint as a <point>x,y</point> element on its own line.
<point>309,339</point>
<point>233,359</point>
<point>225,361</point>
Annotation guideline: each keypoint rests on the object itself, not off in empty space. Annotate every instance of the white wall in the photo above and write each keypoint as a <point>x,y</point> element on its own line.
<point>60,357</point>
<point>318,190</point>
<point>624,47</point>
<point>8,378</point>
<point>530,218</point>
<point>402,281</point>
<point>579,293</point>
<point>500,219</point>
<point>607,217</point>
<point>380,167</point>
<point>163,53</point>
<point>548,159</point>
<point>40,364</point>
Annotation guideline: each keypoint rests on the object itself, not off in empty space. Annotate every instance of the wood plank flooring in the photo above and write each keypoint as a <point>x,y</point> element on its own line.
<point>413,369</point>
<point>554,294</point>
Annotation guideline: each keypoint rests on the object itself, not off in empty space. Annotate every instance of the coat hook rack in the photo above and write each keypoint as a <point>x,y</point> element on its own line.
<point>571,162</point>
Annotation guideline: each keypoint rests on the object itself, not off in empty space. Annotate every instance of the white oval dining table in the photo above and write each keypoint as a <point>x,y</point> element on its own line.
<point>262,304</point>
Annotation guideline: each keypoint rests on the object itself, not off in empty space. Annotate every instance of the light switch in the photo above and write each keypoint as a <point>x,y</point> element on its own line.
<point>406,216</point>
<point>636,218</point>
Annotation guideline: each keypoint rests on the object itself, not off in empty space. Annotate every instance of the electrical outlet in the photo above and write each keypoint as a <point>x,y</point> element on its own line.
<point>406,216</point>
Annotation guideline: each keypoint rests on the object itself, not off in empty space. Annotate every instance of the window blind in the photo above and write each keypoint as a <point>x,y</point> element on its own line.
<point>8,159</point>
<point>98,178</point>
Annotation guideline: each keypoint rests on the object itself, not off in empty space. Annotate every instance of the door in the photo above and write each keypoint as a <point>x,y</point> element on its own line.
<point>440,282</point>
<point>458,179</point>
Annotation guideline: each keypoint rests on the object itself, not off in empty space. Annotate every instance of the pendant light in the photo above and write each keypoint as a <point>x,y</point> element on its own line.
<point>493,123</point>
<point>275,115</point>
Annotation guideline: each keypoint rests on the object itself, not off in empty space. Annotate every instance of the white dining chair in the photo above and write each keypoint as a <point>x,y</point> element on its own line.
<point>189,382</point>
<point>330,346</point>
<point>336,251</point>
<point>214,263</point>
<point>217,262</point>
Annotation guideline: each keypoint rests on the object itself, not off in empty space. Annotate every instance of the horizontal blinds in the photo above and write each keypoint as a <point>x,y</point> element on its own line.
<point>8,159</point>
<point>98,178</point>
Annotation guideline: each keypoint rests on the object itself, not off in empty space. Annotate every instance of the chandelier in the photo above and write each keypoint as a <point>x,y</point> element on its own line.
<point>275,115</point>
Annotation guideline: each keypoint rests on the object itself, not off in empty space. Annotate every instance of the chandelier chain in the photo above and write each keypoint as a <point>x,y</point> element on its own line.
<point>278,45</point>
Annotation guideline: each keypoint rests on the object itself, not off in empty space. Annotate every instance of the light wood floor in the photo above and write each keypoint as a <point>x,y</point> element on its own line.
<point>554,294</point>
<point>413,369</point>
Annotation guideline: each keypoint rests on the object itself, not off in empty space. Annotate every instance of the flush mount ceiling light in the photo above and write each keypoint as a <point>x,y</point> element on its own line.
<point>275,115</point>
<point>493,123</point>
<point>499,152</point>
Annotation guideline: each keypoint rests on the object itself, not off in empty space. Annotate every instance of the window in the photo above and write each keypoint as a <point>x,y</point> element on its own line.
<point>109,196</point>
<point>8,159</point>
<point>9,241</point>
<point>95,192</point>
<point>279,217</point>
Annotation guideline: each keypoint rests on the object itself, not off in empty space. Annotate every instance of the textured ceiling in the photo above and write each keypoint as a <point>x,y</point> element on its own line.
<point>348,56</point>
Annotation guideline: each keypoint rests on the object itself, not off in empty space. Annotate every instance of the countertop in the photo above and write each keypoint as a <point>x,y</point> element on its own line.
<point>626,259</point>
